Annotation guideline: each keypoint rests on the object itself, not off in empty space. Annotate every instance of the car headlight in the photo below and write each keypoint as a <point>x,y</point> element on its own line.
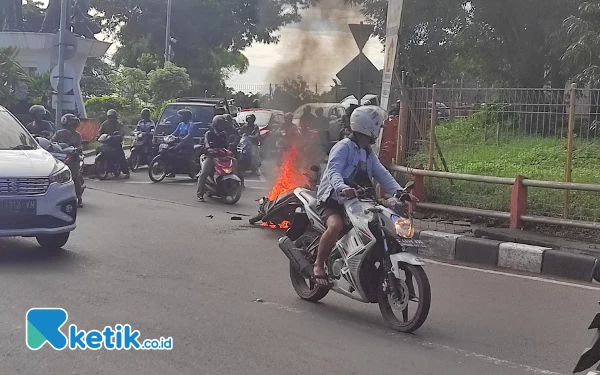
<point>404,228</point>
<point>61,177</point>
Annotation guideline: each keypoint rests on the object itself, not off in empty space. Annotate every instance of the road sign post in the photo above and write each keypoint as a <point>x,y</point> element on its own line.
<point>64,15</point>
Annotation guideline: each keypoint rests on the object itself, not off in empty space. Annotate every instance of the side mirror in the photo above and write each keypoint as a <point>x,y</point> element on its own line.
<point>409,186</point>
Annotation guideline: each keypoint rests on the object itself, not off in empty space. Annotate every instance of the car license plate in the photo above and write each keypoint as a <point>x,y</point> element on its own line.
<point>18,207</point>
<point>411,243</point>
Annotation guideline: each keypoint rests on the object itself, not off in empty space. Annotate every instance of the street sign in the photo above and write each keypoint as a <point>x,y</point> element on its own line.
<point>361,33</point>
<point>369,75</point>
<point>69,78</point>
<point>68,102</point>
<point>70,44</point>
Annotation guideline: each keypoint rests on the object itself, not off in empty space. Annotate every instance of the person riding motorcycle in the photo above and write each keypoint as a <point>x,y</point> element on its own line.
<point>351,163</point>
<point>145,125</point>
<point>69,135</point>
<point>110,126</point>
<point>39,125</point>
<point>215,138</point>
<point>307,119</point>
<point>185,129</point>
<point>250,128</point>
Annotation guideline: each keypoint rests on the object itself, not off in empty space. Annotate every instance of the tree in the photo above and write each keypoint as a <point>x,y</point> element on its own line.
<point>168,82</point>
<point>131,84</point>
<point>33,14</point>
<point>582,56</point>
<point>291,95</point>
<point>210,34</point>
<point>12,75</point>
<point>40,90</point>
<point>95,80</point>
<point>98,106</point>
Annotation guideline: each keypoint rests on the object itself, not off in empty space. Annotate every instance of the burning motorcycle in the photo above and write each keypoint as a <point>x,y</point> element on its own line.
<point>591,356</point>
<point>224,183</point>
<point>371,263</point>
<point>172,161</point>
<point>141,151</point>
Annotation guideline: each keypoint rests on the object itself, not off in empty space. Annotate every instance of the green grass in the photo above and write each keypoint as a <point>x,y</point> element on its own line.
<point>468,148</point>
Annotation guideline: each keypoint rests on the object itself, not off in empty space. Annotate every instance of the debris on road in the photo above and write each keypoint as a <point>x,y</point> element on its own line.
<point>236,218</point>
<point>260,300</point>
<point>235,213</point>
<point>210,216</point>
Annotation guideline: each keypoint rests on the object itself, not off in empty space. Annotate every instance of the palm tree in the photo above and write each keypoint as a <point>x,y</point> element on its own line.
<point>12,75</point>
<point>582,57</point>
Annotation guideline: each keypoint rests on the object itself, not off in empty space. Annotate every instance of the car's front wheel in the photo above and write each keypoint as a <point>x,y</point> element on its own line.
<point>53,241</point>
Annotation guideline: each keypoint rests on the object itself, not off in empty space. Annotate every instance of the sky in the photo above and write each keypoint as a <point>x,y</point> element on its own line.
<point>327,26</point>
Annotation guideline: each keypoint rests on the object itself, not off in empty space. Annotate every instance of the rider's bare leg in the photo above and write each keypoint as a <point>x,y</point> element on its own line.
<point>335,226</point>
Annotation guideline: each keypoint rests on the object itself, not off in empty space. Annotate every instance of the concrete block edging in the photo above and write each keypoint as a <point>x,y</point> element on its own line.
<point>509,255</point>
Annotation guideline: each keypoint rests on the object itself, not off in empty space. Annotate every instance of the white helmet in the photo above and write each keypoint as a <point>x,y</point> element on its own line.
<point>367,120</point>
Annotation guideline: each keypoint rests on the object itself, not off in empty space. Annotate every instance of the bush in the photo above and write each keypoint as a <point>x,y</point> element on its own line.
<point>97,107</point>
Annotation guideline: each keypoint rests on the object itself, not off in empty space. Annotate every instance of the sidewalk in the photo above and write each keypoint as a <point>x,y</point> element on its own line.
<point>507,248</point>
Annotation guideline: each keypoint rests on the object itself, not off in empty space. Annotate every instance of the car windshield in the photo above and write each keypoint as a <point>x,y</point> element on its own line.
<point>13,135</point>
<point>202,114</point>
<point>262,118</point>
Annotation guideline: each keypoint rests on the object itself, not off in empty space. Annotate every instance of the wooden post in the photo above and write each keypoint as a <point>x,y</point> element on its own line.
<point>402,126</point>
<point>432,132</point>
<point>518,203</point>
<point>419,188</point>
<point>569,164</point>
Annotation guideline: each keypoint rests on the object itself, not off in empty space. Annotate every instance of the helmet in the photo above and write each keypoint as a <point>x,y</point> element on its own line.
<point>256,103</point>
<point>185,113</point>
<point>219,121</point>
<point>69,120</point>
<point>319,111</point>
<point>251,117</point>
<point>229,118</point>
<point>145,111</point>
<point>307,109</point>
<point>220,110</point>
<point>37,110</point>
<point>289,117</point>
<point>111,112</point>
<point>367,120</point>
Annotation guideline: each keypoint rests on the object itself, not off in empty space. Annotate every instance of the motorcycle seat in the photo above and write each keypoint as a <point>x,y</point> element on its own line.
<point>311,198</point>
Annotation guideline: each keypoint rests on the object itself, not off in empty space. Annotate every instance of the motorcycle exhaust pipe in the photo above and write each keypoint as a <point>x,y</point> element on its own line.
<point>297,259</point>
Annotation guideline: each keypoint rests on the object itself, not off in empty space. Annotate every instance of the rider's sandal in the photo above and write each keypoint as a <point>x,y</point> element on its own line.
<point>322,277</point>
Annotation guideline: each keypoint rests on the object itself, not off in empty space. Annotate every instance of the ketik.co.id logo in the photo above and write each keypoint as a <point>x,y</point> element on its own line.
<point>43,325</point>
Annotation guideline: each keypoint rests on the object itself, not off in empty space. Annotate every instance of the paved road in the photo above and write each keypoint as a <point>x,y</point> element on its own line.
<point>148,255</point>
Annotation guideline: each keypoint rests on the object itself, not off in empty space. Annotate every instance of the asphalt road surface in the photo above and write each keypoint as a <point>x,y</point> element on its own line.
<point>149,255</point>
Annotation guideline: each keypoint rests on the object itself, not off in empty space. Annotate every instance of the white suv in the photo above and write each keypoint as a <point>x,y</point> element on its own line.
<point>37,194</point>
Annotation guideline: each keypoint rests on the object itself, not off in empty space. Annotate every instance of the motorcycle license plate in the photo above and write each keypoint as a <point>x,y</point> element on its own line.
<point>411,243</point>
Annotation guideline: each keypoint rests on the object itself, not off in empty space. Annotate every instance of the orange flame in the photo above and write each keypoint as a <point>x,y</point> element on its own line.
<point>284,225</point>
<point>290,174</point>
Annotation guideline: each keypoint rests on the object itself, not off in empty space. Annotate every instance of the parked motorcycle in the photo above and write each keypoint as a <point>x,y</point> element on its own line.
<point>171,161</point>
<point>141,152</point>
<point>224,184</point>
<point>591,355</point>
<point>371,263</point>
<point>107,156</point>
<point>248,155</point>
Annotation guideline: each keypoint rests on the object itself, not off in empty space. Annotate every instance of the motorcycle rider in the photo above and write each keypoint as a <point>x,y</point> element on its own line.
<point>215,138</point>
<point>250,128</point>
<point>110,126</point>
<point>307,119</point>
<point>185,129</point>
<point>321,124</point>
<point>39,125</point>
<point>351,161</point>
<point>69,135</point>
<point>145,125</point>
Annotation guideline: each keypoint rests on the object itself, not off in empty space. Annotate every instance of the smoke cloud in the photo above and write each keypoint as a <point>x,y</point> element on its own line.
<point>319,46</point>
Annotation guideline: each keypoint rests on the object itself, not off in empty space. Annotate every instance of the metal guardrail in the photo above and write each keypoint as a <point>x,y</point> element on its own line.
<point>518,214</point>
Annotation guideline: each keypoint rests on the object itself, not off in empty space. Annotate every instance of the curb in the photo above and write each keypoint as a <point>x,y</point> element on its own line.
<point>510,255</point>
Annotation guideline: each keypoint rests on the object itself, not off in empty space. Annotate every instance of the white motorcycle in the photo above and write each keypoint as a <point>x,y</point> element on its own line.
<point>371,263</point>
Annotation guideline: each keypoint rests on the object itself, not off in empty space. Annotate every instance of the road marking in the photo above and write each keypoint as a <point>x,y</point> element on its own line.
<point>534,278</point>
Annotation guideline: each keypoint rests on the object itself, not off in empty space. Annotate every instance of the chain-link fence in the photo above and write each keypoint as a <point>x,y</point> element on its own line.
<point>507,132</point>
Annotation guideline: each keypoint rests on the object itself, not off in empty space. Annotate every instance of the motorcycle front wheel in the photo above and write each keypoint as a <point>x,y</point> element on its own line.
<point>407,299</point>
<point>157,170</point>
<point>134,161</point>
<point>102,169</point>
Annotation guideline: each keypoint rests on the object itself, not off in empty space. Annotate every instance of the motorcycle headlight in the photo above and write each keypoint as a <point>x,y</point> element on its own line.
<point>404,228</point>
<point>61,177</point>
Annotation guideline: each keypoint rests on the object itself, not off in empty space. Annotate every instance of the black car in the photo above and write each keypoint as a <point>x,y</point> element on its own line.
<point>203,110</point>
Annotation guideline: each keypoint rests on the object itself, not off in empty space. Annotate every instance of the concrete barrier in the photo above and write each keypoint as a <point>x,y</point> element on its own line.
<point>521,257</point>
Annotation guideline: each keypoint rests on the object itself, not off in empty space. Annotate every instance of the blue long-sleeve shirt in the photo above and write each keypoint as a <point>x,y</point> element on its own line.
<point>183,129</point>
<point>344,158</point>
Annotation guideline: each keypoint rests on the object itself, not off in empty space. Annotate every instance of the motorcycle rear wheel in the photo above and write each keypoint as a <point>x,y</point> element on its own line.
<point>134,161</point>
<point>424,299</point>
<point>160,167</point>
<point>233,199</point>
<point>306,289</point>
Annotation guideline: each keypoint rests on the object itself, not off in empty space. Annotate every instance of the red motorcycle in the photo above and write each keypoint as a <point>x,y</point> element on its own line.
<point>224,184</point>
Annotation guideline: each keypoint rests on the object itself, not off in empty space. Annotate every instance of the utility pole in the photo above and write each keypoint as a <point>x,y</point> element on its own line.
<point>64,15</point>
<point>360,64</point>
<point>168,34</point>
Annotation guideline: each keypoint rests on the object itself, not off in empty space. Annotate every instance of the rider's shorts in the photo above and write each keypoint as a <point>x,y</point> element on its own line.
<point>329,208</point>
